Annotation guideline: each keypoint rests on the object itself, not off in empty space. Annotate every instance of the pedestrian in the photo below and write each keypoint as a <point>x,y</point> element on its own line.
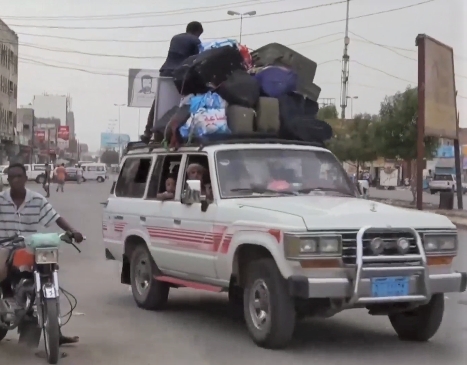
<point>46,182</point>
<point>79,174</point>
<point>60,174</point>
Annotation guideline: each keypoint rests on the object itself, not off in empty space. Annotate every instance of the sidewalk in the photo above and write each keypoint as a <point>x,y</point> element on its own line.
<point>458,217</point>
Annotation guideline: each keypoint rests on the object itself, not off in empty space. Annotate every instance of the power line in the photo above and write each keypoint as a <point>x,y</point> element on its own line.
<point>199,9</point>
<point>100,73</point>
<point>230,19</point>
<point>243,35</point>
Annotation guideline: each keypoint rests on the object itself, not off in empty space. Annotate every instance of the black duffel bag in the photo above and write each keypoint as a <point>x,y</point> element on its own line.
<point>164,127</point>
<point>305,128</point>
<point>185,79</point>
<point>241,89</point>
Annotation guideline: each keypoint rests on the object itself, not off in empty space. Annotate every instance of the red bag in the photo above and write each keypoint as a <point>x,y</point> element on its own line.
<point>245,52</point>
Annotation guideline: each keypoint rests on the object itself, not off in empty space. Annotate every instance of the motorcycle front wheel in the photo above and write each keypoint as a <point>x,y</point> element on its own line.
<point>51,330</point>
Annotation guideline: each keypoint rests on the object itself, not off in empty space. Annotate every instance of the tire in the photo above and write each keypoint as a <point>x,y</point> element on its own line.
<point>155,295</point>
<point>100,179</point>
<point>236,302</point>
<point>51,330</point>
<point>432,192</point>
<point>264,276</point>
<point>3,333</point>
<point>422,323</point>
<point>40,179</point>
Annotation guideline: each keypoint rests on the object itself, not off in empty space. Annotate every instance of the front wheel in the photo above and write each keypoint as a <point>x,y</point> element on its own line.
<point>51,330</point>
<point>100,179</point>
<point>269,308</point>
<point>422,323</point>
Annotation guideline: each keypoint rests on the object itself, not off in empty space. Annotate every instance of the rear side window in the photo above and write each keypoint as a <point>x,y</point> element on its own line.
<point>133,177</point>
<point>443,178</point>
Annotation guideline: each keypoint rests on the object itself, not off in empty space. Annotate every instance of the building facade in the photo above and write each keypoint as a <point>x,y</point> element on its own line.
<point>8,91</point>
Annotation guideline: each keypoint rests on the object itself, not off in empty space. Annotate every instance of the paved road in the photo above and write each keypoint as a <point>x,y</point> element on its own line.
<point>405,194</point>
<point>196,329</point>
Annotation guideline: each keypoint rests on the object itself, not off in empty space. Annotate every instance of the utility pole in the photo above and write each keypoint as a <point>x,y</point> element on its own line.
<point>345,66</point>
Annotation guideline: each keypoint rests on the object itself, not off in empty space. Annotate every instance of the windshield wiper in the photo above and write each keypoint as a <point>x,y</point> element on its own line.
<point>263,191</point>
<point>309,190</point>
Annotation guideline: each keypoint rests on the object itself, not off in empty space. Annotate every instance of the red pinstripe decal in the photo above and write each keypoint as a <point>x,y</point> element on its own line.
<point>189,284</point>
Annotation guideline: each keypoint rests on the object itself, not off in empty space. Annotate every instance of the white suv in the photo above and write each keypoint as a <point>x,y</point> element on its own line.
<point>279,226</point>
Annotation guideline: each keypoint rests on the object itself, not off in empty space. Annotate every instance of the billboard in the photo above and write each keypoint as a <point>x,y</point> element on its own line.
<point>111,140</point>
<point>63,137</point>
<point>445,152</point>
<point>142,87</point>
<point>440,89</point>
<point>39,136</point>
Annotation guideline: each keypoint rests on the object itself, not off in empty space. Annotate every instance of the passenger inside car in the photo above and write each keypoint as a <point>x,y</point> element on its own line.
<point>169,193</point>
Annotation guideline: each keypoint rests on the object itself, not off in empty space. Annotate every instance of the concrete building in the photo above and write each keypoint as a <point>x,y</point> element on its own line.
<point>8,90</point>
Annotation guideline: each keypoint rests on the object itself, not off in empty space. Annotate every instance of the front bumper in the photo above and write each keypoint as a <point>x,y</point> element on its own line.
<point>306,288</point>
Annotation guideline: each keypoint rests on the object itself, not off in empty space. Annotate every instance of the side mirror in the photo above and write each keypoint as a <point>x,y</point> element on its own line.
<point>192,193</point>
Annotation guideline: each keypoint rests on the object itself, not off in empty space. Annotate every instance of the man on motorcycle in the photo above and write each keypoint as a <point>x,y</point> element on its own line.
<point>22,211</point>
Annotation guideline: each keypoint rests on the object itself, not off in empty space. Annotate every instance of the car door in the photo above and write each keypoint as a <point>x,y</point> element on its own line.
<point>197,246</point>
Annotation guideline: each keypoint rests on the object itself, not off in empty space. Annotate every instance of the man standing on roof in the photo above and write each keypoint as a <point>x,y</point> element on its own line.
<point>181,47</point>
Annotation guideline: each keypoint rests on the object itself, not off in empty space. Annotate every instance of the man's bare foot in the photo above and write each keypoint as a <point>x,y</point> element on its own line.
<point>64,340</point>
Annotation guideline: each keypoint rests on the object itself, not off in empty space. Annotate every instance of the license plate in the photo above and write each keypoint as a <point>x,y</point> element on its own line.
<point>390,287</point>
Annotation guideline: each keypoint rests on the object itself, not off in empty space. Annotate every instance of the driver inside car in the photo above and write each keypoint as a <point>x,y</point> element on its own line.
<point>22,211</point>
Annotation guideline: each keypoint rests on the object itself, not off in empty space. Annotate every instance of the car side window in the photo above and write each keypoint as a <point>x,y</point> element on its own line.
<point>133,177</point>
<point>197,168</point>
<point>166,167</point>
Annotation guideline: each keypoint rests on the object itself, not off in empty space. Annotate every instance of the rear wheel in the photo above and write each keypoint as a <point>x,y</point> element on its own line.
<point>40,179</point>
<point>148,292</point>
<point>51,330</point>
<point>100,179</point>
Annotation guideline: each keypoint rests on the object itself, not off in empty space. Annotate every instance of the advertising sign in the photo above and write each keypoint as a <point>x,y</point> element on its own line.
<point>445,152</point>
<point>114,140</point>
<point>63,137</point>
<point>39,136</point>
<point>440,90</point>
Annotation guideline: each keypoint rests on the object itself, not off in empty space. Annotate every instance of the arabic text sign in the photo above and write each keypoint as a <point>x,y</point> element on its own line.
<point>440,94</point>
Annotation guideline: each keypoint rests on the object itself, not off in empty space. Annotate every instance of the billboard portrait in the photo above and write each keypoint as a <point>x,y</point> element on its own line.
<point>440,89</point>
<point>142,87</point>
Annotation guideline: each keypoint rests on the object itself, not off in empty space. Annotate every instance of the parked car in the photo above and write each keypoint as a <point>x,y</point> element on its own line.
<point>445,182</point>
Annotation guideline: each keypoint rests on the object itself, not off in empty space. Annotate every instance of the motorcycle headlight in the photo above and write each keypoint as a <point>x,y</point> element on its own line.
<point>440,243</point>
<point>297,246</point>
<point>46,255</point>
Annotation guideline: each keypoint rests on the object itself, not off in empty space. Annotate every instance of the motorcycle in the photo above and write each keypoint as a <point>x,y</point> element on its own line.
<point>29,297</point>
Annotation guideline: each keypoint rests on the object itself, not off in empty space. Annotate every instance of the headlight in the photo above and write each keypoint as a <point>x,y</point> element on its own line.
<point>297,246</point>
<point>439,243</point>
<point>46,256</point>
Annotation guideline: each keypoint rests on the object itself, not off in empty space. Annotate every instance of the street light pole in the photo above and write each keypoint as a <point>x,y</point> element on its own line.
<point>241,15</point>
<point>119,131</point>
<point>352,98</point>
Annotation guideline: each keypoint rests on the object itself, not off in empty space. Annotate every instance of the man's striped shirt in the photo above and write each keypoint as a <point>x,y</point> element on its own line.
<point>36,211</point>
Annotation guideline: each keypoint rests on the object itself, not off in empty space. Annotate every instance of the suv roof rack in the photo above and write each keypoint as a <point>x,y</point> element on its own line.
<point>256,138</point>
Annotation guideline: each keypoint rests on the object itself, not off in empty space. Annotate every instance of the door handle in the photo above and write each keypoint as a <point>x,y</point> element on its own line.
<point>177,221</point>
<point>142,219</point>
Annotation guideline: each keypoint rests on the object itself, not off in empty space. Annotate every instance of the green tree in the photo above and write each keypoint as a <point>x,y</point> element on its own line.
<point>396,133</point>
<point>110,157</point>
<point>328,112</point>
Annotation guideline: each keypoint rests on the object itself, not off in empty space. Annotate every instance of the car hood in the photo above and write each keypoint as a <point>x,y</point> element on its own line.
<point>329,212</point>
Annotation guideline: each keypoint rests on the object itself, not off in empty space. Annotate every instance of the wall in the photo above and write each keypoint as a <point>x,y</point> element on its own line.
<point>26,116</point>
<point>8,89</point>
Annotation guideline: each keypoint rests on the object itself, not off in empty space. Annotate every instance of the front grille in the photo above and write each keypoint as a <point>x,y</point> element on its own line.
<point>349,244</point>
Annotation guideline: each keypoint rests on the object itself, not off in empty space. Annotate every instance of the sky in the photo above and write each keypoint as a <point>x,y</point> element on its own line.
<point>65,50</point>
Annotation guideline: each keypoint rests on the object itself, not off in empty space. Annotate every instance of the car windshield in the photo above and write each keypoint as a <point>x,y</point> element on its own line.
<point>276,172</point>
